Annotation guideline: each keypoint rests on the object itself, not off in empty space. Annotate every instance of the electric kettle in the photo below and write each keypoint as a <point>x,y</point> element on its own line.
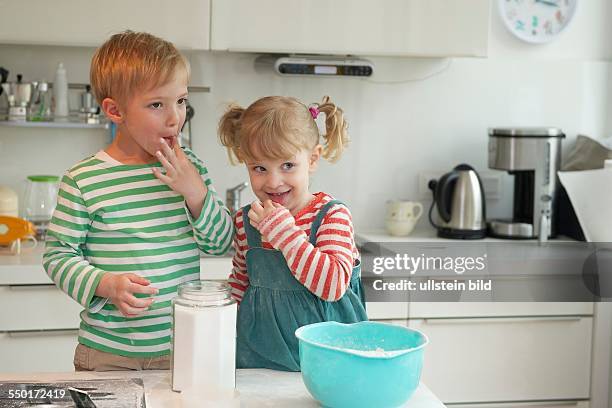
<point>459,197</point>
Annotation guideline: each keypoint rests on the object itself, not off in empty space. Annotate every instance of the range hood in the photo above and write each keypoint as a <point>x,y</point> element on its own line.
<point>317,65</point>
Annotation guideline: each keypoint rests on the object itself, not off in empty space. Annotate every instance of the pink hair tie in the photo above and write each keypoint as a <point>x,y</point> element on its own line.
<point>314,111</point>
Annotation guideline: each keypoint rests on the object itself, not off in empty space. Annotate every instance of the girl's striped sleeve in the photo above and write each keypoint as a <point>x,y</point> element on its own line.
<point>238,279</point>
<point>324,269</point>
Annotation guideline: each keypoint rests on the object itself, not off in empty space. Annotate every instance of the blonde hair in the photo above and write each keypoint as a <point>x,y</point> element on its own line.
<point>132,61</point>
<point>277,127</point>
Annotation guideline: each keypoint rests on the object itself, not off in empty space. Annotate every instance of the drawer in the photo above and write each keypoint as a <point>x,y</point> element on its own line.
<point>35,307</point>
<point>396,322</point>
<point>424,310</point>
<point>387,310</point>
<point>543,404</point>
<point>37,351</point>
<point>507,359</point>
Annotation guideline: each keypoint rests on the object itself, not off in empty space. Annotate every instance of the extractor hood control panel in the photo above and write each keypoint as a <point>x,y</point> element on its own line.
<point>322,66</point>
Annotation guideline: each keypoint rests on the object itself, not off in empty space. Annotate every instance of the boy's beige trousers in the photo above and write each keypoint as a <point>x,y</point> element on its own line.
<point>89,359</point>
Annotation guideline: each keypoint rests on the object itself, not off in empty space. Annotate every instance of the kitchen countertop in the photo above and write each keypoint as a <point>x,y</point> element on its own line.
<point>26,268</point>
<point>257,388</point>
<point>428,234</point>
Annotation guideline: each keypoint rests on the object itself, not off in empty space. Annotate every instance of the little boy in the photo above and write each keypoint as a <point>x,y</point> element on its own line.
<point>131,220</point>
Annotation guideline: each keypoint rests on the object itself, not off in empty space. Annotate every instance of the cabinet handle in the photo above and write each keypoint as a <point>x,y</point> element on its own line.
<point>517,405</point>
<point>41,332</point>
<point>538,404</point>
<point>504,319</point>
<point>30,287</point>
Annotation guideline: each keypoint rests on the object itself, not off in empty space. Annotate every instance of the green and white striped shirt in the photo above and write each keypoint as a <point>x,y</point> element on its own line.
<point>116,218</point>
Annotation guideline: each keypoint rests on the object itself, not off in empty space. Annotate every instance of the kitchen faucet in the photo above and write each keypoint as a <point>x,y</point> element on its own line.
<point>232,197</point>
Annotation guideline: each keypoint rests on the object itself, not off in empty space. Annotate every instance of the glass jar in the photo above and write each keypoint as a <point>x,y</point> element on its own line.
<point>40,201</point>
<point>204,338</point>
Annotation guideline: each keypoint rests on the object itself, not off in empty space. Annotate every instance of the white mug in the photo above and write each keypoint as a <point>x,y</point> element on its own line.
<point>402,216</point>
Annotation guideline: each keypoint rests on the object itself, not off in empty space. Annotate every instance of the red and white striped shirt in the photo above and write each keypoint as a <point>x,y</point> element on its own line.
<point>324,269</point>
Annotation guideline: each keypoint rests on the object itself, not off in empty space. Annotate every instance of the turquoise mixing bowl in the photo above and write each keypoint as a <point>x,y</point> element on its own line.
<point>366,364</point>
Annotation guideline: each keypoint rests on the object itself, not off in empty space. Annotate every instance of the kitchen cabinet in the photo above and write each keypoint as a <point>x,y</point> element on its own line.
<point>75,23</point>
<point>427,28</point>
<point>39,323</point>
<point>506,359</point>
<point>501,354</point>
<point>37,350</point>
<point>38,328</point>
<point>388,27</point>
<point>41,307</point>
<point>539,354</point>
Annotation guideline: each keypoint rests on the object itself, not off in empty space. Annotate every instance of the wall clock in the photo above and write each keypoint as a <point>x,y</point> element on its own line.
<point>537,21</point>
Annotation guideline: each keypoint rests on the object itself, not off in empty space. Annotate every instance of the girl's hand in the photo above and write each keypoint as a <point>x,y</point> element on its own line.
<point>181,176</point>
<point>258,213</point>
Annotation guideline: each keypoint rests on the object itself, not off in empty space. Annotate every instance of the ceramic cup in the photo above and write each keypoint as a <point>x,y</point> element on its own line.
<point>402,216</point>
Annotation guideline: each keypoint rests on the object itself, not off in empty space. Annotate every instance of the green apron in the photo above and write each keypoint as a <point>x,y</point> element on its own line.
<point>276,304</point>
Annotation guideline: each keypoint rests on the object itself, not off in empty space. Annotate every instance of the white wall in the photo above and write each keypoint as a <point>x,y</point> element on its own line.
<point>399,125</point>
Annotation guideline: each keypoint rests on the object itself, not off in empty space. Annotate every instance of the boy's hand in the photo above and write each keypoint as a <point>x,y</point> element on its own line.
<point>120,290</point>
<point>181,176</point>
<point>258,213</point>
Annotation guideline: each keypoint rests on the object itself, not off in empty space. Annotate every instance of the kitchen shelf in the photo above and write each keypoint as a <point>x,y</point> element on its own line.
<point>59,125</point>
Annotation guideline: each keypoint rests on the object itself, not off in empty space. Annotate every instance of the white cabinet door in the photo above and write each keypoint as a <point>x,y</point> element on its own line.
<point>507,359</point>
<point>362,27</point>
<point>37,307</point>
<point>44,351</point>
<point>74,22</point>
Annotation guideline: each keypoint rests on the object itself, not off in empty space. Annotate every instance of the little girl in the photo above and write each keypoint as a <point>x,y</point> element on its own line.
<point>296,262</point>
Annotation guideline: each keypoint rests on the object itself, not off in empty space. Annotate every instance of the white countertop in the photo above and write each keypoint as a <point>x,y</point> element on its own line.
<point>420,234</point>
<point>429,234</point>
<point>257,388</point>
<point>26,268</point>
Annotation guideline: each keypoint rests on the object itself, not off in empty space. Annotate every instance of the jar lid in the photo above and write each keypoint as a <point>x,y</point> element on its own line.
<point>44,178</point>
<point>205,293</point>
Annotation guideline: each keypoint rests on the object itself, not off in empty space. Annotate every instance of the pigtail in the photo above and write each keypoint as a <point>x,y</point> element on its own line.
<point>228,131</point>
<point>336,130</point>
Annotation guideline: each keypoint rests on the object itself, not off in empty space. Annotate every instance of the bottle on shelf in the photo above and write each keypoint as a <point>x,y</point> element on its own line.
<point>60,94</point>
<point>40,109</point>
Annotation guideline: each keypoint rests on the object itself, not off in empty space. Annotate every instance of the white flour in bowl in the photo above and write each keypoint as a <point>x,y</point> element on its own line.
<point>378,352</point>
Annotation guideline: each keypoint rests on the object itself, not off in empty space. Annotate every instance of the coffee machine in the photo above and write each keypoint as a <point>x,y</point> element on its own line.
<point>533,157</point>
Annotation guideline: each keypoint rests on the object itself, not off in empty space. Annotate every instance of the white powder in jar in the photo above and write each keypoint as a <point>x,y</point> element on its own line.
<point>204,348</point>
